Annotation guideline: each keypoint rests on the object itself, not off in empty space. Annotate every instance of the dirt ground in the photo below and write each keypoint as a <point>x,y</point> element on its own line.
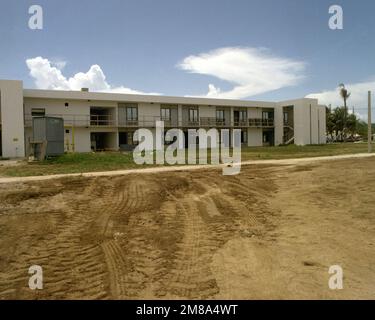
<point>270,232</point>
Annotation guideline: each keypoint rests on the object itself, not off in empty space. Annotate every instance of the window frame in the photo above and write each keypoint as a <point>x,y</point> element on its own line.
<point>164,117</point>
<point>220,112</point>
<point>193,115</point>
<point>133,113</point>
<point>38,112</point>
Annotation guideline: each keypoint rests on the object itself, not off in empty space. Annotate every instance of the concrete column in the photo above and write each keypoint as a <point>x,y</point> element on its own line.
<point>179,115</point>
<point>12,119</point>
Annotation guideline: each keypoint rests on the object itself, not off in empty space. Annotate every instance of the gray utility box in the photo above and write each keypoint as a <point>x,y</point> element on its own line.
<point>51,131</point>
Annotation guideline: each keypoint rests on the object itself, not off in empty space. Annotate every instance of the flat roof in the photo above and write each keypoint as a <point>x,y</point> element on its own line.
<point>120,97</point>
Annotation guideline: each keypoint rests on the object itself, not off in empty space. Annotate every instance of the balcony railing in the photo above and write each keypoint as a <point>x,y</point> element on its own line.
<point>258,122</point>
<point>95,120</point>
<point>78,120</point>
<point>241,123</point>
<point>98,120</point>
<point>213,122</point>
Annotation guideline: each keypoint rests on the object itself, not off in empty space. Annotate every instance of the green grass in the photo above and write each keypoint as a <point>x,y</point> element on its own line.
<point>90,162</point>
<point>293,151</point>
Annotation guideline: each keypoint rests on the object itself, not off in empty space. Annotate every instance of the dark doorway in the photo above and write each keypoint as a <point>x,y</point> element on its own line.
<point>125,140</point>
<point>99,141</point>
<point>268,138</point>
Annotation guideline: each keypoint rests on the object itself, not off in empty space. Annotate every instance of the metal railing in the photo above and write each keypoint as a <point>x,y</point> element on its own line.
<point>95,120</point>
<point>213,122</point>
<point>99,120</point>
<point>258,122</point>
<point>78,120</point>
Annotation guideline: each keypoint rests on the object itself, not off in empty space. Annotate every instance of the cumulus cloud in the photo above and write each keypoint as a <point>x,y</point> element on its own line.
<point>358,97</point>
<point>48,75</point>
<point>252,71</point>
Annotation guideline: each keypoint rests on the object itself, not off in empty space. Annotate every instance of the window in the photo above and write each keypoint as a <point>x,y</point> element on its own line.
<point>286,117</point>
<point>219,115</point>
<point>265,115</point>
<point>165,114</point>
<point>38,112</point>
<point>193,115</point>
<point>242,115</point>
<point>131,113</point>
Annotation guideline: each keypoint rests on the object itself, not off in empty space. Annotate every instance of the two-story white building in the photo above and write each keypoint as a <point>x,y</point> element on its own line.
<point>106,121</point>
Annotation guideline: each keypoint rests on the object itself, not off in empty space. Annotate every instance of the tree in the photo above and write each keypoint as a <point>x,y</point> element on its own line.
<point>338,120</point>
<point>345,96</point>
<point>330,121</point>
<point>335,124</point>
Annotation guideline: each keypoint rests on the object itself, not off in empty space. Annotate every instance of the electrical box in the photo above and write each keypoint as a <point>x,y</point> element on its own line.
<point>50,131</point>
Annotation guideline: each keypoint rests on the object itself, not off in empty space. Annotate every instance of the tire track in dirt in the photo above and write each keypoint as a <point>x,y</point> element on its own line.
<point>69,260</point>
<point>132,238</point>
<point>130,259</point>
<point>75,266</point>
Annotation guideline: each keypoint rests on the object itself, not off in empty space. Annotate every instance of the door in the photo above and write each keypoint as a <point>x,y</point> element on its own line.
<point>236,116</point>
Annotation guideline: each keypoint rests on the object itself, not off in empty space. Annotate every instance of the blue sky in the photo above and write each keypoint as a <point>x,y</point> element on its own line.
<point>178,47</point>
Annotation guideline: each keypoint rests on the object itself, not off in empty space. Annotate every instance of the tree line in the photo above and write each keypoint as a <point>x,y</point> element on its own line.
<point>342,126</point>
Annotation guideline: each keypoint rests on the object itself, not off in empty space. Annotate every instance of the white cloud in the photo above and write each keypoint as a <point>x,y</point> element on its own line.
<point>357,99</point>
<point>252,71</point>
<point>48,75</point>
<point>58,63</point>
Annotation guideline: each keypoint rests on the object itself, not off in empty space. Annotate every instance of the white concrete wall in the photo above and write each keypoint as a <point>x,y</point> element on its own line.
<point>57,107</point>
<point>322,124</point>
<point>207,111</point>
<point>148,111</point>
<point>279,124</point>
<point>254,137</point>
<point>81,140</point>
<point>254,113</point>
<point>12,119</point>
<point>307,115</point>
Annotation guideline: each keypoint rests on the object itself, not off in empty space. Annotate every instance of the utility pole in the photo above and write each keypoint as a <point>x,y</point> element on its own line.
<point>369,131</point>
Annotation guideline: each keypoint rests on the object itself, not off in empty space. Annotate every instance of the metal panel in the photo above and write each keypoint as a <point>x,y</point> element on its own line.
<point>51,130</point>
<point>122,115</point>
<point>39,129</point>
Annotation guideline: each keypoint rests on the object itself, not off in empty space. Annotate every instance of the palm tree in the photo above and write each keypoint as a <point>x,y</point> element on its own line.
<point>345,95</point>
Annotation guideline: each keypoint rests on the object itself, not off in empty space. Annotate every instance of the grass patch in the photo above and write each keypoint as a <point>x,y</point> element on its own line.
<point>293,151</point>
<point>106,161</point>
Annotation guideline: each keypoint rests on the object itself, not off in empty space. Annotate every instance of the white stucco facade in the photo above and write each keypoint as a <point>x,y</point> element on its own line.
<point>107,121</point>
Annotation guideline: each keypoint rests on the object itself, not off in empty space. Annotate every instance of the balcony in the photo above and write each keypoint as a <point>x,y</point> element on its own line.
<point>147,122</point>
<point>108,120</point>
<point>69,120</point>
<point>101,120</point>
<point>240,123</point>
<point>261,123</point>
<point>213,122</point>
<point>78,120</point>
